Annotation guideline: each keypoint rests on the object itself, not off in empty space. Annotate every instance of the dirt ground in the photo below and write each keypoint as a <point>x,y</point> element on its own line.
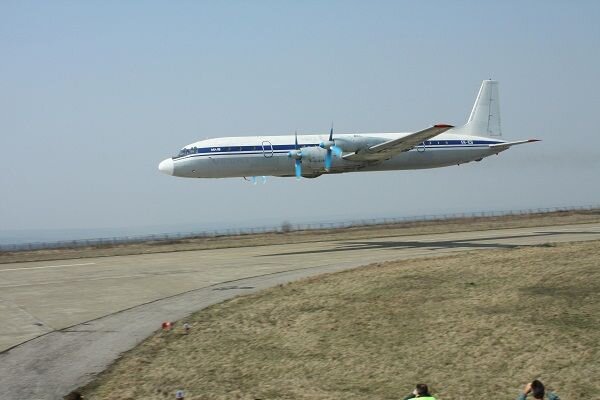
<point>473,325</point>
<point>359,232</point>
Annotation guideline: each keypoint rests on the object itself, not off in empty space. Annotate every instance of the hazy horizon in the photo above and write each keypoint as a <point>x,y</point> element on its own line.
<point>49,235</point>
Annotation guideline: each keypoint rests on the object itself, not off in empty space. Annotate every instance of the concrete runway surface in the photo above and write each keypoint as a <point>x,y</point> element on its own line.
<point>62,322</point>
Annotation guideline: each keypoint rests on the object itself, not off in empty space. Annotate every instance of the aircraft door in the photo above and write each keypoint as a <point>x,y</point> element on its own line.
<point>267,149</point>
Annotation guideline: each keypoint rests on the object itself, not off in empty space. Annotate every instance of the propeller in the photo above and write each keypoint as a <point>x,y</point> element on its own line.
<point>254,181</point>
<point>330,146</point>
<point>296,154</point>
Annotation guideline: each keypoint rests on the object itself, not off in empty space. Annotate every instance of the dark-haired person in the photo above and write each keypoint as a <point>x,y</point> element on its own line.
<point>421,391</point>
<point>537,391</point>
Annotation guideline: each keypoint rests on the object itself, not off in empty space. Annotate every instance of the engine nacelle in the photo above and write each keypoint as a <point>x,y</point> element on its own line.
<point>312,155</point>
<point>354,143</point>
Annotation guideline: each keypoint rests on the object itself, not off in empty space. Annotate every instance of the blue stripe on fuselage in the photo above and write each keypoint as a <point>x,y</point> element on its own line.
<point>284,148</point>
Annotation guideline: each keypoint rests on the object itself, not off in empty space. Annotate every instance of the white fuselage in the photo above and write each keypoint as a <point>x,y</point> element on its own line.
<point>309,156</point>
<point>268,155</point>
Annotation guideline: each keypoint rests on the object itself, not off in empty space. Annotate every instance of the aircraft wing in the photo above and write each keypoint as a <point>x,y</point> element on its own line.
<point>506,145</point>
<point>386,150</point>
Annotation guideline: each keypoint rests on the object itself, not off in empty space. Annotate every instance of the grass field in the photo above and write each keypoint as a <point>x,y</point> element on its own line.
<point>472,325</point>
<point>259,239</point>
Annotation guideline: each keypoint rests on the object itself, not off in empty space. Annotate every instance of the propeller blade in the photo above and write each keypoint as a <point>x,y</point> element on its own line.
<point>298,166</point>
<point>328,160</point>
<point>330,145</point>
<point>336,150</point>
<point>254,180</point>
<point>296,140</point>
<point>264,179</point>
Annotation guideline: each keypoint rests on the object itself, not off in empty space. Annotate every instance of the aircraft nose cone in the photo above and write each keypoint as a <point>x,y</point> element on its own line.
<point>166,166</point>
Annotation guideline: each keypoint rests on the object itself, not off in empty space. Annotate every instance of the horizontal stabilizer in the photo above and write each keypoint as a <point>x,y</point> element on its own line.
<point>506,145</point>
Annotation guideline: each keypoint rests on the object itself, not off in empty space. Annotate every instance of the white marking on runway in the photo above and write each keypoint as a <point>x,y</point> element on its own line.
<point>46,266</point>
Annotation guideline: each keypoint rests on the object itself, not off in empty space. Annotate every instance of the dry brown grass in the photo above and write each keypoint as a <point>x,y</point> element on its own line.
<point>472,325</point>
<point>359,232</point>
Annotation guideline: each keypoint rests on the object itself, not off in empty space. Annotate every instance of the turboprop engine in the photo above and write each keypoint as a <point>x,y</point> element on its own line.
<point>355,143</point>
<point>311,158</point>
<point>342,145</point>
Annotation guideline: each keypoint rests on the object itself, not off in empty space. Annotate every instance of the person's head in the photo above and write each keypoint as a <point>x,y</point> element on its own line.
<point>537,389</point>
<point>422,389</point>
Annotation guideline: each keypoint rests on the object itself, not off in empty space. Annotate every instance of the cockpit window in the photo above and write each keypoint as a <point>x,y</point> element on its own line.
<point>185,151</point>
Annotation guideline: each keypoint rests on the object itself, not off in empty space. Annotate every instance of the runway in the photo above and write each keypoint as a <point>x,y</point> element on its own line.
<point>74,317</point>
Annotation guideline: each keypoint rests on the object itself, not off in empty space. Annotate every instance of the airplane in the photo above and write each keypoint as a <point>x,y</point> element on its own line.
<point>310,156</point>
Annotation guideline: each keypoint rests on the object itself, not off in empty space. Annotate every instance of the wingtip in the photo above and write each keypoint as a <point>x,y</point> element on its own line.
<point>534,140</point>
<point>443,126</point>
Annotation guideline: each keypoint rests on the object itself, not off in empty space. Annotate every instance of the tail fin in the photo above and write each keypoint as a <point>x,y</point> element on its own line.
<point>485,116</point>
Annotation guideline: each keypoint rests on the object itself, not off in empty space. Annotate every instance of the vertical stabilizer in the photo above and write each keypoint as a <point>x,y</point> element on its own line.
<point>485,116</point>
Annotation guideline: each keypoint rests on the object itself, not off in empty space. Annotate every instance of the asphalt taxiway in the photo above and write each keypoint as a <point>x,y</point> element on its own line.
<point>64,321</point>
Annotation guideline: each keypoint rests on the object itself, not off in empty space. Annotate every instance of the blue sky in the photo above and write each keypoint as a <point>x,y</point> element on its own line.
<point>94,94</point>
